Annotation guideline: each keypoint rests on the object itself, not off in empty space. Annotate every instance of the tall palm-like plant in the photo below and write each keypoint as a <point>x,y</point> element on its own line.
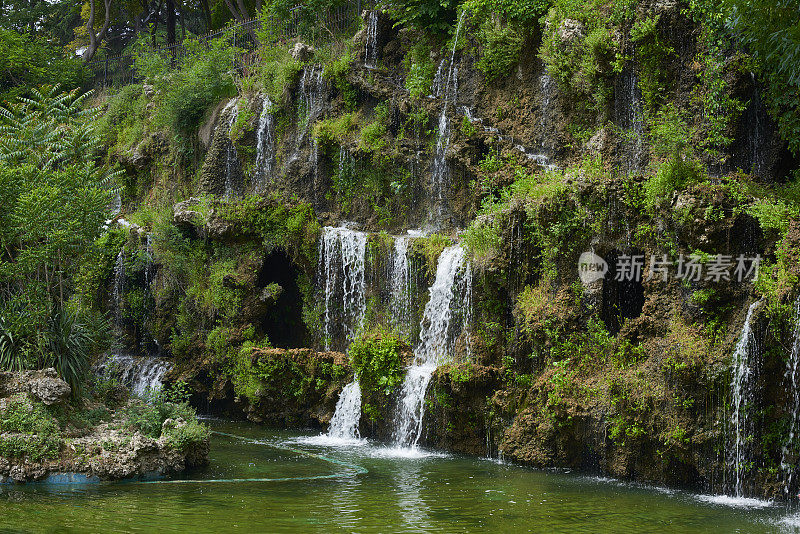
<point>69,344</point>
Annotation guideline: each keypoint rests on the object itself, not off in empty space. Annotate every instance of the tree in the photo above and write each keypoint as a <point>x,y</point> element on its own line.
<point>55,197</point>
<point>27,61</point>
<point>96,39</point>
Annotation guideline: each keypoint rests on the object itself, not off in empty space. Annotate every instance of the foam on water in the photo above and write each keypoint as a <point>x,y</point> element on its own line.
<point>735,502</point>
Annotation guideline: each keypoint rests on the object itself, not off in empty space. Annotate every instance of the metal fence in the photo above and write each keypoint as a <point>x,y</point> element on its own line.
<point>119,70</point>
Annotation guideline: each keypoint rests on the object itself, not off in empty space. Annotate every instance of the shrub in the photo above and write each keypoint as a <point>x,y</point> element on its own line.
<point>34,432</point>
<point>500,49</point>
<point>148,417</point>
<point>421,69</point>
<point>377,362</point>
<point>184,96</point>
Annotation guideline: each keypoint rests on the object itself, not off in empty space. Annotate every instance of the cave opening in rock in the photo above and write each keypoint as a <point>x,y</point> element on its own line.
<point>282,320</point>
<point>622,299</point>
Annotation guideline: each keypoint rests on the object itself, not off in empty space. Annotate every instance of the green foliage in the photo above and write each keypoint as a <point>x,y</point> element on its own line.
<point>467,128</point>
<point>291,226</point>
<point>773,214</point>
<point>277,70</point>
<point>652,55</point>
<point>335,131</point>
<point>337,71</point>
<point>432,247</point>
<point>55,198</point>
<point>377,362</point>
<point>582,64</point>
<point>183,96</point>
<point>30,431</point>
<point>767,29</point>
<point>27,61</point>
<point>421,69</point>
<point>70,343</point>
<point>500,49</point>
<point>373,135</point>
<point>678,167</point>
<point>525,12</point>
<point>432,16</point>
<point>148,417</point>
<point>122,124</point>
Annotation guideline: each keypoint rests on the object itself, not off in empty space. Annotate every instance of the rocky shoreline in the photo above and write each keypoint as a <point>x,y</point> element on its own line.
<point>46,436</point>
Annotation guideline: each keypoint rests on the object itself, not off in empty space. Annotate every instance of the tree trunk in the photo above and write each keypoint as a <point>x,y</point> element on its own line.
<point>170,7</point>
<point>96,39</point>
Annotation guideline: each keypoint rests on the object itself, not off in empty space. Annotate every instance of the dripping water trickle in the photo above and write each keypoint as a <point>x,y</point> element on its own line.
<point>231,157</point>
<point>371,45</point>
<point>792,377</point>
<point>440,171</point>
<point>265,146</point>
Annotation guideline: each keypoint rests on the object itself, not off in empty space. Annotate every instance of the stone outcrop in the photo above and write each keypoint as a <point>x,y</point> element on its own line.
<point>41,445</point>
<point>44,385</point>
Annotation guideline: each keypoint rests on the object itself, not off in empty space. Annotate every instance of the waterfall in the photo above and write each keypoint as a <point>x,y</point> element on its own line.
<point>442,322</point>
<point>141,375</point>
<point>400,278</point>
<point>342,257</point>
<point>265,146</point>
<point>371,46</point>
<point>344,424</point>
<point>792,376</point>
<point>312,86</point>
<point>119,286</point>
<point>231,157</point>
<point>440,171</point>
<point>630,118</point>
<point>547,88</point>
<point>116,205</point>
<point>742,393</point>
<point>436,85</point>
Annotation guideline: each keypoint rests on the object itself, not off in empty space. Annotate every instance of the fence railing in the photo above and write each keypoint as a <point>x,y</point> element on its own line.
<point>119,70</point>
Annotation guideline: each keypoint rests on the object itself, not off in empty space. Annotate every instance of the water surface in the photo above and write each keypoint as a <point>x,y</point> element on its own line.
<point>399,493</point>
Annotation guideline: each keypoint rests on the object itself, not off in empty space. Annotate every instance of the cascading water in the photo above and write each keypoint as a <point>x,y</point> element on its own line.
<point>141,375</point>
<point>265,146</point>
<point>630,118</point>
<point>440,171</point>
<point>792,376</point>
<point>400,278</point>
<point>742,396</point>
<point>344,424</point>
<point>371,45</point>
<point>312,86</point>
<point>547,89</point>
<point>342,257</point>
<point>231,157</point>
<point>438,333</point>
<point>119,286</point>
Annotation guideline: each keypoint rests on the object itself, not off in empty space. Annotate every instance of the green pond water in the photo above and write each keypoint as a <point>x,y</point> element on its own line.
<point>397,493</point>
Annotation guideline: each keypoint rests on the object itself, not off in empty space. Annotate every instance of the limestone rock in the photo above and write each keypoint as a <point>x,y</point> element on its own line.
<point>570,30</point>
<point>49,388</point>
<point>302,52</point>
<point>44,385</point>
<point>186,213</point>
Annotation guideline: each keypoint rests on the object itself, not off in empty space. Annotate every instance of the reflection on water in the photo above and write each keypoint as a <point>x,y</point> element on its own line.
<point>409,497</point>
<point>427,494</point>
